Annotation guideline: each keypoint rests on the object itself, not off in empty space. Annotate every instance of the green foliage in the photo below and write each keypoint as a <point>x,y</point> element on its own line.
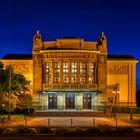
<point>21,129</point>
<point>2,129</point>
<point>104,129</point>
<point>43,130</point>
<point>93,131</point>
<point>9,131</point>
<point>125,131</point>
<point>13,89</point>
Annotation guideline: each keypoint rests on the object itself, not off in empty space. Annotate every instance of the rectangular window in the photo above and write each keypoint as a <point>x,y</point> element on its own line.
<point>48,73</point>
<point>83,72</point>
<point>74,72</point>
<point>65,72</point>
<point>56,72</point>
<point>91,73</point>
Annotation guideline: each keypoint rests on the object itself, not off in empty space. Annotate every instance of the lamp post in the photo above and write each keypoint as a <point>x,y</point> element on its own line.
<point>24,105</point>
<point>115,92</point>
<point>9,104</point>
<point>25,115</point>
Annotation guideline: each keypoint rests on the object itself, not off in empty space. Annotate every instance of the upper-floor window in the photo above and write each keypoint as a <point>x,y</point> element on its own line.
<point>48,73</point>
<point>65,72</point>
<point>56,72</point>
<point>91,73</point>
<point>74,72</point>
<point>83,72</point>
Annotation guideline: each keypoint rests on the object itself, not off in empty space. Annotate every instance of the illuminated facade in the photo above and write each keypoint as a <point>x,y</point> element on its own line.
<point>73,74</point>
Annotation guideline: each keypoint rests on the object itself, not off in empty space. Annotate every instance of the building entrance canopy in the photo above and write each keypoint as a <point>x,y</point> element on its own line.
<point>63,99</point>
<point>67,90</point>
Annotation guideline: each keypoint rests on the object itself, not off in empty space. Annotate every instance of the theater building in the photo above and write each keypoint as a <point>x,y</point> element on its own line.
<point>74,74</point>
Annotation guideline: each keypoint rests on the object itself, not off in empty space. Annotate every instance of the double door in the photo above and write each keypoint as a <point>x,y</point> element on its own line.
<point>52,101</point>
<point>86,100</point>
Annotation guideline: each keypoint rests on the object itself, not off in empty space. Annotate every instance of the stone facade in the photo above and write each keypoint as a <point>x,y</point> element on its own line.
<point>71,73</point>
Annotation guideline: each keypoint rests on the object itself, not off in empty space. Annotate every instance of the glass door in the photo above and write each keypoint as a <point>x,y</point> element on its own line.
<point>52,97</point>
<point>70,101</point>
<point>86,100</point>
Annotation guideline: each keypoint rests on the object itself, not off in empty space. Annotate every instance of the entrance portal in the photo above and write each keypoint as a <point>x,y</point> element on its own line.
<point>52,101</point>
<point>70,101</point>
<point>86,100</point>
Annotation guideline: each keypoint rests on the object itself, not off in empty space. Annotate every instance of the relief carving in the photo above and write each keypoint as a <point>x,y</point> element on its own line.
<point>102,59</point>
<point>22,68</point>
<point>119,69</point>
<point>36,58</point>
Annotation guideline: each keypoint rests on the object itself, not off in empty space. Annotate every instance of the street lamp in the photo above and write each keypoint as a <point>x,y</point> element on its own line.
<point>9,103</point>
<point>25,104</point>
<point>115,91</point>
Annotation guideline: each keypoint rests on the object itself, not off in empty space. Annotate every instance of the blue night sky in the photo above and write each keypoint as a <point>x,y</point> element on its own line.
<point>119,19</point>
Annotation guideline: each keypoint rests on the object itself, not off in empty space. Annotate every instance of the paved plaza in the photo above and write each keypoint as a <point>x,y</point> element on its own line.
<point>66,121</point>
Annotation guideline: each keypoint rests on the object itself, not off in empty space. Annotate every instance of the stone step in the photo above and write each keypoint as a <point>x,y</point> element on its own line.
<point>70,114</point>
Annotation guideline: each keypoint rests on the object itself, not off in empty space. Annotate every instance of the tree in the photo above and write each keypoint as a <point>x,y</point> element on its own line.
<point>11,86</point>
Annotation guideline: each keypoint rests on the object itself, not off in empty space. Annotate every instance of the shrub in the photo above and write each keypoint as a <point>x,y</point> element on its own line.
<point>70,132</point>
<point>93,131</point>
<point>32,131</point>
<point>9,131</point>
<point>125,130</point>
<point>104,129</point>
<point>60,131</point>
<point>2,129</point>
<point>43,130</point>
<point>77,131</point>
<point>21,129</point>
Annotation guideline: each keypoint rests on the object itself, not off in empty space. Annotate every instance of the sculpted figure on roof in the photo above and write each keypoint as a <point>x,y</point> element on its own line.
<point>37,38</point>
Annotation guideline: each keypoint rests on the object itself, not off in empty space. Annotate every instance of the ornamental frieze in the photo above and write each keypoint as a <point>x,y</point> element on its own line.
<point>118,69</point>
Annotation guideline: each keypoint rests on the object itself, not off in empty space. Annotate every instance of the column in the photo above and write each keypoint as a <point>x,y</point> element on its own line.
<point>64,96</point>
<point>78,72</point>
<point>52,74</point>
<point>95,73</point>
<point>87,70</point>
<point>44,73</point>
<point>69,71</point>
<point>61,72</point>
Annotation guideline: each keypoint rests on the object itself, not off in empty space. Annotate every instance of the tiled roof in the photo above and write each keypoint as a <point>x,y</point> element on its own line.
<point>120,57</point>
<point>29,57</point>
<point>18,56</point>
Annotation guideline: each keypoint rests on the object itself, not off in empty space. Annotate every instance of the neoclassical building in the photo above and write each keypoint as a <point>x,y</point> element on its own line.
<point>74,74</point>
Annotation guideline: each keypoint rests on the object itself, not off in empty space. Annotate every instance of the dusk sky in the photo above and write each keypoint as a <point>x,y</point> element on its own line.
<point>119,19</point>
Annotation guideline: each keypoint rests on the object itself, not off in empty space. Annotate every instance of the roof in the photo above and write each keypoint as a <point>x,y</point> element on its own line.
<point>29,57</point>
<point>18,56</point>
<point>120,57</point>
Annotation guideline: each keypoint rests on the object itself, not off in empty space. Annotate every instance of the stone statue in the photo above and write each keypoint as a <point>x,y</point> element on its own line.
<point>102,43</point>
<point>37,38</point>
<point>116,87</point>
<point>101,39</point>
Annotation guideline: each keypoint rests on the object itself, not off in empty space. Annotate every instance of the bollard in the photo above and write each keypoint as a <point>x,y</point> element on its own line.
<point>93,122</point>
<point>138,123</point>
<point>131,116</point>
<point>71,122</point>
<point>48,122</point>
<point>116,123</point>
<point>26,121</point>
<point>2,121</point>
